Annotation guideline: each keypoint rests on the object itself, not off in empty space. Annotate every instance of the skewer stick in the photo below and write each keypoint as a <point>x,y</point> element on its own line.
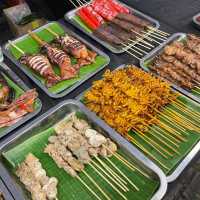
<point>122,173</point>
<point>165,143</point>
<point>154,36</point>
<point>145,42</point>
<point>160,35</point>
<point>139,44</point>
<point>99,188</point>
<point>80,3</point>
<point>128,47</point>
<point>91,191</point>
<point>72,2</point>
<point>133,55</point>
<point>149,143</point>
<point>170,136</point>
<point>16,47</point>
<point>116,181</point>
<point>157,30</point>
<point>115,175</point>
<point>152,142</point>
<point>52,32</point>
<point>148,153</point>
<point>36,38</point>
<point>130,165</point>
<point>102,176</point>
<point>132,45</point>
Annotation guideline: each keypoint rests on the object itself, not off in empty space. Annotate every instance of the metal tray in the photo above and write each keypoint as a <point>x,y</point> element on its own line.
<point>69,15</point>
<point>6,194</point>
<point>180,167</point>
<point>158,51</point>
<point>42,86</point>
<point>56,114</point>
<point>195,21</point>
<point>21,84</point>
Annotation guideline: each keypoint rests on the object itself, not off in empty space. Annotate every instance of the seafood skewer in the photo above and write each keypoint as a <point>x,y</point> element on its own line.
<point>74,47</point>
<point>18,108</point>
<point>40,64</point>
<point>34,177</point>
<point>58,57</point>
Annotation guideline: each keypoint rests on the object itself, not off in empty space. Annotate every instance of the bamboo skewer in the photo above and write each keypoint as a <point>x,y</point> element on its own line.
<point>103,177</point>
<point>148,153</point>
<point>141,43</point>
<point>149,143</point>
<point>154,36</point>
<point>130,165</point>
<point>16,47</point>
<point>117,182</point>
<point>165,137</point>
<point>122,174</point>
<point>36,38</point>
<point>72,2</point>
<point>157,30</point>
<point>113,174</point>
<point>89,189</point>
<point>154,143</point>
<point>97,186</point>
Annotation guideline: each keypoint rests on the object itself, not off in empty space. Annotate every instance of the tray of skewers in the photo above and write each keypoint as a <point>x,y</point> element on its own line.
<point>18,104</point>
<point>196,20</point>
<point>117,26</point>
<point>55,58</point>
<point>150,114</point>
<point>178,62</point>
<point>69,154</point>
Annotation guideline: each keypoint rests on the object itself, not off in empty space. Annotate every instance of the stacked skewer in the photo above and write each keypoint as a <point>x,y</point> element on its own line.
<point>123,30</point>
<point>146,111</point>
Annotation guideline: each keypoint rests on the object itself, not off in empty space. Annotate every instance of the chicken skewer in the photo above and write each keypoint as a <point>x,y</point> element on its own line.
<point>74,47</point>
<point>58,57</point>
<point>40,64</point>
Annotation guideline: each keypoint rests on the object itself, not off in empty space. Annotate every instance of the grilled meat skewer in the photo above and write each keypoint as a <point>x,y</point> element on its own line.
<point>58,57</point>
<point>41,65</point>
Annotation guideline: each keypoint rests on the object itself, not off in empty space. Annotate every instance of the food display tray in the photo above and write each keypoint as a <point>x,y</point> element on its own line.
<point>175,172</point>
<point>64,92</point>
<point>71,14</point>
<point>195,21</point>
<point>53,116</point>
<point>144,63</point>
<point>4,191</point>
<point>16,80</point>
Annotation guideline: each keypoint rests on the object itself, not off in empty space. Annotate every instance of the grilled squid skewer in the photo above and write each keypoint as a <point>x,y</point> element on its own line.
<point>58,57</point>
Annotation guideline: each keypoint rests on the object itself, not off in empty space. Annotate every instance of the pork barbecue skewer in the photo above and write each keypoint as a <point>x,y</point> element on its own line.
<point>40,64</point>
<point>58,57</point>
<point>74,47</point>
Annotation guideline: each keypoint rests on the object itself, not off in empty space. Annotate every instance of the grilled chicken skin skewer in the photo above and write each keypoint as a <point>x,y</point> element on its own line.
<point>58,57</point>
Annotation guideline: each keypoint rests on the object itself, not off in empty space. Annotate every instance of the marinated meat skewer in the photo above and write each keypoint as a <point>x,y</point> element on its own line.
<point>58,57</point>
<point>193,43</point>
<point>18,108</point>
<point>40,64</point>
<point>34,177</point>
<point>74,47</point>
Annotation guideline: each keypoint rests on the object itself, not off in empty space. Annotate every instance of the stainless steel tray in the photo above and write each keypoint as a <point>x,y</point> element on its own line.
<point>4,191</point>
<point>56,114</point>
<point>69,17</point>
<point>180,167</point>
<point>195,21</point>
<point>42,86</point>
<point>158,51</point>
<point>21,84</point>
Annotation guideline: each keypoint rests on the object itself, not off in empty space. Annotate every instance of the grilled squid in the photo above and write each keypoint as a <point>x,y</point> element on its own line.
<point>41,65</point>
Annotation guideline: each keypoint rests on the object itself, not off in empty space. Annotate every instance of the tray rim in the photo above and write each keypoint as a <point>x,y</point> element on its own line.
<point>159,194</point>
<point>181,166</point>
<point>22,85</point>
<point>65,92</point>
<point>103,43</point>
